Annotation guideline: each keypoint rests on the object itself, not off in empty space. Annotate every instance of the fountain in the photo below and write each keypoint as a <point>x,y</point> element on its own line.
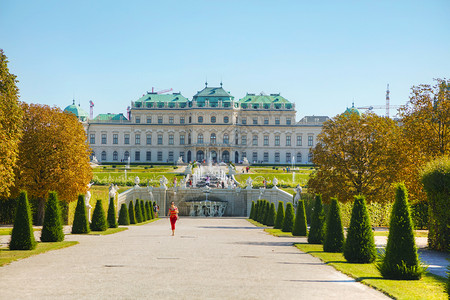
<point>127,166</point>
<point>293,168</point>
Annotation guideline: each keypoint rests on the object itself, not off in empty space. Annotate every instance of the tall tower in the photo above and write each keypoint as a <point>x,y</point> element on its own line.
<point>387,101</point>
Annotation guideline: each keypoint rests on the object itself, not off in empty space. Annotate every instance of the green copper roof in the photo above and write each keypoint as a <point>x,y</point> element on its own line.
<point>154,97</point>
<point>109,117</point>
<point>352,110</point>
<point>212,94</point>
<point>77,111</point>
<point>261,98</point>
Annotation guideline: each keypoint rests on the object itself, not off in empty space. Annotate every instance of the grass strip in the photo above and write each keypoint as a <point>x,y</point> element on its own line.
<point>277,232</point>
<point>429,287</point>
<point>7,256</point>
<point>416,233</point>
<point>8,230</point>
<point>108,231</point>
<point>257,224</point>
<point>146,222</point>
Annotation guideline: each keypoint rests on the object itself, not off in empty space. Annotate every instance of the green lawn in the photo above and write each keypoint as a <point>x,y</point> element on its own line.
<point>8,230</point>
<point>277,232</point>
<point>417,233</point>
<point>256,223</point>
<point>429,287</point>
<point>7,256</point>
<point>108,231</point>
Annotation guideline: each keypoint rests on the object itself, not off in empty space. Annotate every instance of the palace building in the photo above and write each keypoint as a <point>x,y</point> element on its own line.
<point>162,128</point>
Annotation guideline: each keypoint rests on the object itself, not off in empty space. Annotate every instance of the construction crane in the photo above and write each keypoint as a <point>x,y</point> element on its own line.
<point>91,109</point>
<point>387,107</point>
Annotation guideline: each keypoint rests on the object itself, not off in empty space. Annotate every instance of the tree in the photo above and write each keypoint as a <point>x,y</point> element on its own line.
<point>317,229</point>
<point>356,155</point>
<point>266,212</point>
<point>138,212</point>
<point>131,212</point>
<point>98,218</point>
<point>272,215</point>
<point>52,231</point>
<point>152,213</point>
<point>22,236</point>
<point>80,220</point>
<point>280,216</point>
<point>400,260</point>
<point>53,155</point>
<point>334,234</point>
<point>144,211</point>
<point>252,211</point>
<point>288,218</point>
<point>124,217</point>
<point>112,217</point>
<point>300,227</point>
<point>148,209</point>
<point>360,245</point>
<point>10,126</point>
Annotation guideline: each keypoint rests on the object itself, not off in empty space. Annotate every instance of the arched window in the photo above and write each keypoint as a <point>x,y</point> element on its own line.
<point>213,138</point>
<point>103,155</point>
<point>200,155</point>
<point>115,155</point>
<point>226,139</point>
<point>126,155</point>
<point>200,138</point>
<point>213,119</point>
<point>299,157</point>
<point>200,119</point>
<point>225,156</point>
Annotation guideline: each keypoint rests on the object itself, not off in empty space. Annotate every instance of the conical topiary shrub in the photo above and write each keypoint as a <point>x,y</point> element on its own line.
<point>300,226</point>
<point>52,229</point>
<point>260,211</point>
<point>280,216</point>
<point>112,217</point>
<point>148,210</point>
<point>317,230</point>
<point>400,260</point>
<point>124,217</point>
<point>334,234</point>
<point>252,210</point>
<point>22,236</point>
<point>255,214</point>
<point>360,246</point>
<point>138,212</point>
<point>288,218</point>
<point>152,213</point>
<point>98,218</point>
<point>143,211</point>
<point>80,220</point>
<point>266,212</point>
<point>272,215</point>
<point>131,212</point>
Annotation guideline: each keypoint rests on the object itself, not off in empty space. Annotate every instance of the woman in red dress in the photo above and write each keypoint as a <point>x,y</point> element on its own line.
<point>173,213</point>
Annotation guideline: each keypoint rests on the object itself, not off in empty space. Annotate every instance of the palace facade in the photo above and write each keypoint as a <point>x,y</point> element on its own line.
<point>162,128</point>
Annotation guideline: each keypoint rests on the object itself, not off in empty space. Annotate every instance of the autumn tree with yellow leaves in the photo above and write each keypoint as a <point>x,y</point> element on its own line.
<point>357,155</point>
<point>10,126</point>
<point>53,155</point>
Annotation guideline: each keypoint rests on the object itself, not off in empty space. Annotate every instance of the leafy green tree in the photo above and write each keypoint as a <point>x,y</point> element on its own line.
<point>252,211</point>
<point>124,217</point>
<point>317,229</point>
<point>132,213</point>
<point>334,234</point>
<point>138,212</point>
<point>400,260</point>
<point>22,236</point>
<point>112,217</point>
<point>289,216</point>
<point>10,126</point>
<point>52,231</point>
<point>272,215</point>
<point>80,221</point>
<point>98,218</point>
<point>360,245</point>
<point>280,216</point>
<point>300,227</point>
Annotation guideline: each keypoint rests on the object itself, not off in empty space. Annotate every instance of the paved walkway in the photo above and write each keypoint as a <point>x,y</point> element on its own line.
<point>207,259</point>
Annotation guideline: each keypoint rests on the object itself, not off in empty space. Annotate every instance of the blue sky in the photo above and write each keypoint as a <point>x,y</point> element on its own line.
<point>321,55</point>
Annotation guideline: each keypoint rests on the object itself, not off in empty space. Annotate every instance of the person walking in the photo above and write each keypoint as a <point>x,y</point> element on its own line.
<point>173,214</point>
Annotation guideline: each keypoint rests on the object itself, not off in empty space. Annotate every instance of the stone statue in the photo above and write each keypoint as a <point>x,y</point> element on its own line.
<point>188,169</point>
<point>275,182</point>
<point>163,181</point>
<point>298,191</point>
<point>245,161</point>
<point>180,160</point>
<point>112,190</point>
<point>249,182</point>
<point>231,170</point>
<point>136,181</point>
<point>87,198</point>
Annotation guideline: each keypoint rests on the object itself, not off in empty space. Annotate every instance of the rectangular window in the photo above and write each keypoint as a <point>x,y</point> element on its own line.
<point>115,139</point>
<point>149,120</point>
<point>92,139</point>
<point>288,157</point>
<point>160,139</point>
<point>137,139</point>
<point>277,157</point>
<point>266,121</point>
<point>182,155</point>
<point>266,157</point>
<point>244,140</point>
<point>266,140</point>
<point>181,120</point>
<point>277,140</point>
<point>244,154</point>
<point>115,155</point>
<point>104,138</point>
<point>170,139</point>
<point>277,121</point>
<point>170,120</point>
<point>160,119</point>
<point>299,140</point>
<point>149,139</point>
<point>310,141</point>
<point>137,155</point>
<point>255,156</point>
<point>244,121</point>
<point>255,140</point>
<point>288,121</point>
<point>170,156</point>
<point>182,139</point>
<point>126,139</point>
<point>255,121</point>
<point>288,140</point>
<point>148,156</point>
<point>138,120</point>
<point>159,155</point>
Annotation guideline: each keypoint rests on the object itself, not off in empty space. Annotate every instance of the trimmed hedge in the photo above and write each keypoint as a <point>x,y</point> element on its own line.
<point>300,226</point>
<point>289,216</point>
<point>131,212</point>
<point>112,217</point>
<point>52,229</point>
<point>280,216</point>
<point>148,209</point>
<point>124,217</point>
<point>400,260</point>
<point>317,230</point>
<point>334,234</point>
<point>266,212</point>
<point>80,221</point>
<point>98,218</point>
<point>138,212</point>
<point>360,245</point>
<point>143,211</point>
<point>152,213</point>
<point>272,215</point>
<point>252,210</point>
<point>22,236</point>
